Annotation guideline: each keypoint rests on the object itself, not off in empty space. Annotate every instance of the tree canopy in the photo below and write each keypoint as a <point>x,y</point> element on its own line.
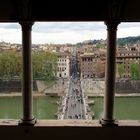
<point>43,65</point>
<point>135,71</point>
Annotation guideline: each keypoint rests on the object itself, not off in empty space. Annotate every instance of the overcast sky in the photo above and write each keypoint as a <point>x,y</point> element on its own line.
<point>65,32</point>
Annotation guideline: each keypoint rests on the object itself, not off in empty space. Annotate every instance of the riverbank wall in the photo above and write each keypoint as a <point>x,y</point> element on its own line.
<point>14,87</point>
<point>90,87</point>
<point>96,87</point>
<point>8,86</point>
<point>58,88</point>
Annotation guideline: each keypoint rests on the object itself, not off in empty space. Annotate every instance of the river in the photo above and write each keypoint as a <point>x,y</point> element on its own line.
<point>46,107</point>
<point>125,108</point>
<point>43,107</point>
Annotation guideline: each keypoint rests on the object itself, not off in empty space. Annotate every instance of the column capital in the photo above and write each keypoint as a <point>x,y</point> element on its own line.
<point>112,25</point>
<point>26,24</point>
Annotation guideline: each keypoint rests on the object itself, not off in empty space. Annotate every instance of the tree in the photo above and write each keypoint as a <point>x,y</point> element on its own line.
<point>44,65</point>
<point>37,64</point>
<point>10,64</point>
<point>135,71</point>
<point>121,70</point>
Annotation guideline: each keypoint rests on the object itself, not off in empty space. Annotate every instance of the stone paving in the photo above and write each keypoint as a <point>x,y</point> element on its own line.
<point>74,104</point>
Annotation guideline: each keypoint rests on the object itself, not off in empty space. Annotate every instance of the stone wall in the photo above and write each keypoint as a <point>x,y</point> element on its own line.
<point>13,86</point>
<point>128,87</point>
<point>92,86</point>
<point>58,88</point>
<point>89,86</point>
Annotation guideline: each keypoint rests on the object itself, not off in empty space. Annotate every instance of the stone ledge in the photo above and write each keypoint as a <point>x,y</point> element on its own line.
<point>70,123</point>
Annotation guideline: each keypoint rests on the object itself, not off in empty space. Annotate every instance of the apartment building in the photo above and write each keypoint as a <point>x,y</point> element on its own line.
<point>92,65</point>
<point>63,64</point>
<point>125,57</point>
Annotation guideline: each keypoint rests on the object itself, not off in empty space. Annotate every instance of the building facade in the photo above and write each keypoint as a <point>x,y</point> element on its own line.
<point>92,65</point>
<point>126,58</point>
<point>63,64</point>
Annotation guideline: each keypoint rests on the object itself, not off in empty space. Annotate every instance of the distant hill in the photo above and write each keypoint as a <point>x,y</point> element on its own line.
<point>128,40</point>
<point>120,41</point>
<point>92,42</point>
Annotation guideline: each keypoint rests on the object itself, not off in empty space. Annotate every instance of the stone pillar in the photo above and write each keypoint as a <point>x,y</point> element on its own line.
<point>108,118</point>
<point>27,84</point>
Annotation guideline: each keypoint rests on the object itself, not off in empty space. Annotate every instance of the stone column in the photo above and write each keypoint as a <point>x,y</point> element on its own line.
<point>108,118</point>
<point>27,84</point>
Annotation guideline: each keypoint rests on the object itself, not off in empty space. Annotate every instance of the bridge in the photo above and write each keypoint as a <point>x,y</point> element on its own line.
<point>74,107</point>
<point>74,104</point>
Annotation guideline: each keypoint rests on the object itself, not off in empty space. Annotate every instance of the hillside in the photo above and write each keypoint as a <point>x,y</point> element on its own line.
<point>120,41</point>
<point>128,40</point>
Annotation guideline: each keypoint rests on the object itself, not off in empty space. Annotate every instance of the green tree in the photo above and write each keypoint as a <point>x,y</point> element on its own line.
<point>135,71</point>
<point>121,70</point>
<point>10,64</point>
<point>37,64</point>
<point>50,66</point>
<point>44,65</point>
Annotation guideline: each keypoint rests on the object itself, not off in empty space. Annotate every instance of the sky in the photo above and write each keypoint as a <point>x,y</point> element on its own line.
<point>65,32</point>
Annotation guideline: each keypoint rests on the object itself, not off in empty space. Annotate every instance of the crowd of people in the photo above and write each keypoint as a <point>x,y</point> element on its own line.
<point>74,102</point>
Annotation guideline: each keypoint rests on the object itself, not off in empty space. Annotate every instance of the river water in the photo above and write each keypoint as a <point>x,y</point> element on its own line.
<point>43,107</point>
<point>46,107</point>
<point>125,108</point>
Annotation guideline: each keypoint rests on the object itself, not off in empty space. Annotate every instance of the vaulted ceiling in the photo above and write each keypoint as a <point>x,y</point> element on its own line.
<point>69,10</point>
